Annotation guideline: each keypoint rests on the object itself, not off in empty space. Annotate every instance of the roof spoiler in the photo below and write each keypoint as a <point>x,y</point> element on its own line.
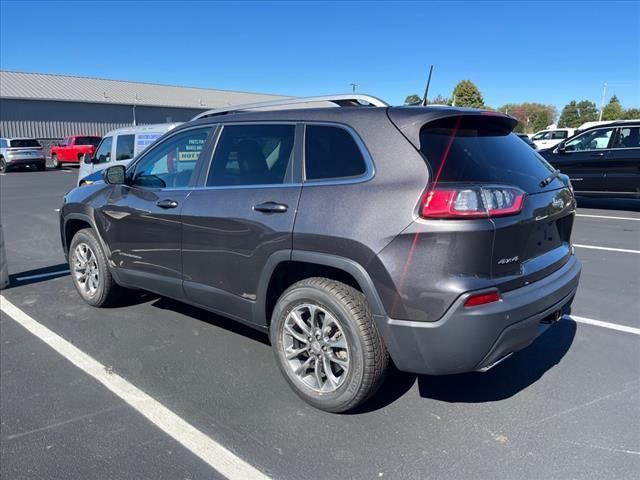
<point>342,100</point>
<point>410,120</point>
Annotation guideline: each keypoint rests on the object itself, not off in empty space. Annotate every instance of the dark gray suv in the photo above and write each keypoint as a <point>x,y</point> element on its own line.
<point>431,236</point>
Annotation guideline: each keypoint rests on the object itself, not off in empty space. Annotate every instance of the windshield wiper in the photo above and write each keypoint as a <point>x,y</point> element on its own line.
<point>550,178</point>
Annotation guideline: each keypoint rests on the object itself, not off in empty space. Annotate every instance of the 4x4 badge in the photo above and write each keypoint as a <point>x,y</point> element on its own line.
<point>504,261</point>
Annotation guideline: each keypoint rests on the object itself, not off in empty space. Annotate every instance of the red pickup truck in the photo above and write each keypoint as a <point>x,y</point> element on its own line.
<point>73,149</point>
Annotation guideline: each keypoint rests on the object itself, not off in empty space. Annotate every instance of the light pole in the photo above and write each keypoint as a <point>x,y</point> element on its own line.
<point>135,100</point>
<point>353,87</point>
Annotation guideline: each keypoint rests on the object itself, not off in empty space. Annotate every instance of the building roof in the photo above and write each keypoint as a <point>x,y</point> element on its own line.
<point>41,86</point>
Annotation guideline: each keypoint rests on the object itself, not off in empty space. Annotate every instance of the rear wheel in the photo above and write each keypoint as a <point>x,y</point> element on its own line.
<point>54,161</point>
<point>90,272</point>
<point>327,344</point>
<point>3,165</point>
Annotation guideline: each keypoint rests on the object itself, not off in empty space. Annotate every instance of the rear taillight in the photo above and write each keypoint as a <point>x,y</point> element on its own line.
<point>482,299</point>
<point>471,202</point>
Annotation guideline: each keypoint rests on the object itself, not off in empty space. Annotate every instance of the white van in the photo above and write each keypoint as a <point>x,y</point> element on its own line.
<point>119,147</point>
<point>551,137</point>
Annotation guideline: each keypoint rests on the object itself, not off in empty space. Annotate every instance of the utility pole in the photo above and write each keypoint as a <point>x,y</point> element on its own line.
<point>604,93</point>
<point>353,87</point>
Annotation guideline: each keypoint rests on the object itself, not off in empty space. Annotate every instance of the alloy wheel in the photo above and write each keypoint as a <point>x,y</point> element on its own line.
<point>315,348</point>
<point>85,269</point>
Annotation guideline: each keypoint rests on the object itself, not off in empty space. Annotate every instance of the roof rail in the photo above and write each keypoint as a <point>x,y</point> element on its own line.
<point>342,100</point>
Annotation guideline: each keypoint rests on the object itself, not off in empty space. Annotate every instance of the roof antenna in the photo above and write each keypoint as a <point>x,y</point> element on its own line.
<point>426,90</point>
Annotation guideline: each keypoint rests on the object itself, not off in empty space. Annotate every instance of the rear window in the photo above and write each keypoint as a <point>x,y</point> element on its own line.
<point>475,150</point>
<point>24,143</point>
<point>94,141</point>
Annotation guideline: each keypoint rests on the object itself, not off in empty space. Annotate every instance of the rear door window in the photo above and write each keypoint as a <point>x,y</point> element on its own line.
<point>331,153</point>
<point>475,150</point>
<point>628,137</point>
<point>558,134</point>
<point>124,147</point>
<point>253,155</point>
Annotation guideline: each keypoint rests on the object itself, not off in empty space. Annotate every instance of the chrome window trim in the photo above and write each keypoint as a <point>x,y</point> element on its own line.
<point>259,185</point>
<point>368,160</point>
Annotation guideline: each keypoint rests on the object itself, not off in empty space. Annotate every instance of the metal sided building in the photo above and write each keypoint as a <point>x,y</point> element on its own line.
<point>50,107</point>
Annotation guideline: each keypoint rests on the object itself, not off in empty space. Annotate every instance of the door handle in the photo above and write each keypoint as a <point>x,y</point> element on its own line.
<point>166,203</point>
<point>597,154</point>
<point>270,207</point>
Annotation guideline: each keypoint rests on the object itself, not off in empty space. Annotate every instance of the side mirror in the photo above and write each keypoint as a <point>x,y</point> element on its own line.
<point>562,148</point>
<point>86,158</point>
<point>115,175</point>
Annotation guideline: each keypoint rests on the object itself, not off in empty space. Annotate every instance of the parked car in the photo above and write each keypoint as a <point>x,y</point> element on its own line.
<point>73,149</point>
<point>429,235</point>
<point>551,137</point>
<point>20,152</point>
<point>119,147</point>
<point>525,138</point>
<point>603,160</point>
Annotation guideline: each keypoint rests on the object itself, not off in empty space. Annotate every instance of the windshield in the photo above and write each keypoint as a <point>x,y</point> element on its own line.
<point>24,143</point>
<point>475,150</point>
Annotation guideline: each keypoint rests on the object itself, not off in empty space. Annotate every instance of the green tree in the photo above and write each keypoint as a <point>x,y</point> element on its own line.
<point>531,117</point>
<point>466,94</point>
<point>575,114</point>
<point>613,110</point>
<point>440,100</point>
<point>587,111</point>
<point>412,100</point>
<point>632,114</point>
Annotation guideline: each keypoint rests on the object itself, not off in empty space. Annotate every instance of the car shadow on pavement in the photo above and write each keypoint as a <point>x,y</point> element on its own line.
<point>212,319</point>
<point>37,275</point>
<point>508,378</point>
<point>629,204</point>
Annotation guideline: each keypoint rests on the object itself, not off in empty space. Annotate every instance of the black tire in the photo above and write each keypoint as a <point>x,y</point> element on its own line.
<point>107,293</point>
<point>366,354</point>
<point>42,166</point>
<point>54,161</point>
<point>3,165</point>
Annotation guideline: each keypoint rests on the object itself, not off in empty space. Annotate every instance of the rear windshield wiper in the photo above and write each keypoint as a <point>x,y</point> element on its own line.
<point>550,178</point>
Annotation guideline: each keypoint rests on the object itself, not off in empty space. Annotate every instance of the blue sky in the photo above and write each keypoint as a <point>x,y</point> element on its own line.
<point>514,51</point>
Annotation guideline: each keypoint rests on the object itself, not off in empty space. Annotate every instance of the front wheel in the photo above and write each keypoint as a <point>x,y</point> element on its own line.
<point>90,272</point>
<point>41,166</point>
<point>327,345</point>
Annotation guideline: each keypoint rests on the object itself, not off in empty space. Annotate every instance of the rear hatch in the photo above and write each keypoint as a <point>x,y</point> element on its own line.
<point>491,173</point>
<point>25,148</point>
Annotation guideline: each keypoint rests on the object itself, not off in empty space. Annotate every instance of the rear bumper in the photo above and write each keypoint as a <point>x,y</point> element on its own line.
<point>469,339</point>
<point>13,161</point>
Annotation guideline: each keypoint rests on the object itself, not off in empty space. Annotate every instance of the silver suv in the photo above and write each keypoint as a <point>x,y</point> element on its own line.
<point>21,152</point>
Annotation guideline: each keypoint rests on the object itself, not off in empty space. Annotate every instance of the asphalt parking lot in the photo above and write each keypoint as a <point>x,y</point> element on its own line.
<point>566,407</point>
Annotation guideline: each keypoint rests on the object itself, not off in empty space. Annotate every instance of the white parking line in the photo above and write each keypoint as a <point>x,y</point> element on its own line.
<point>217,456</point>
<point>42,275</point>
<point>598,323</point>
<point>607,216</point>
<point>593,247</point>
